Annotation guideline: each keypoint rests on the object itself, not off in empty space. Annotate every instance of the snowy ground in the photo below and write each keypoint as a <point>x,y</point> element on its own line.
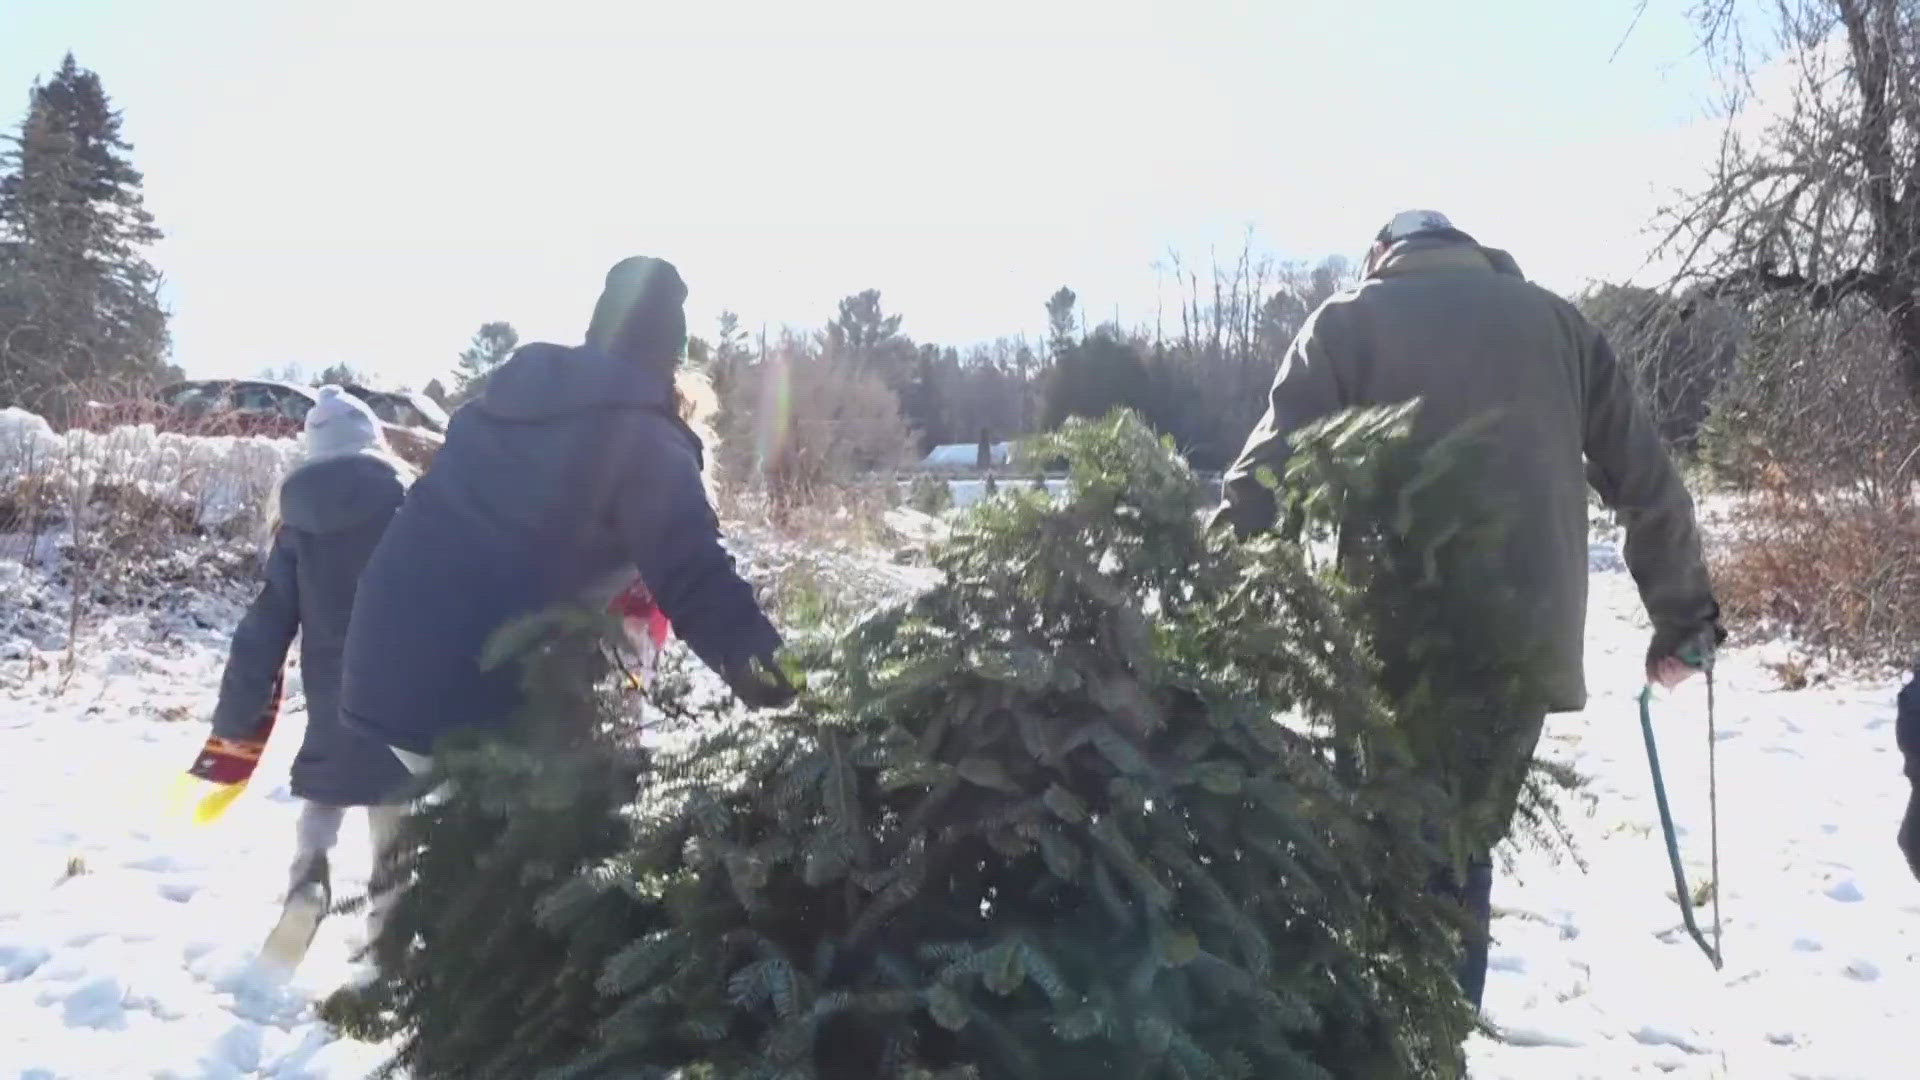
<point>138,966</point>
<point>1592,974</point>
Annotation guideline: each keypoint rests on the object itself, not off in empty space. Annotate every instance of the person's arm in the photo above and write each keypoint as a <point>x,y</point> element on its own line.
<point>259,648</point>
<point>673,537</point>
<point>1630,468</point>
<point>1906,726</point>
<point>1906,733</point>
<point>1306,389</point>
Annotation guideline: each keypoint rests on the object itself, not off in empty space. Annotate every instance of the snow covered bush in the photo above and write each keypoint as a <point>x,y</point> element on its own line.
<point>133,486</point>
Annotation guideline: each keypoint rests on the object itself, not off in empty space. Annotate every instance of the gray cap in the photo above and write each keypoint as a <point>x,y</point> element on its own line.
<point>1411,223</point>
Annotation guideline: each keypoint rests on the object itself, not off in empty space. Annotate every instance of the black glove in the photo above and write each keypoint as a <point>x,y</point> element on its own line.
<point>759,683</point>
<point>1910,834</point>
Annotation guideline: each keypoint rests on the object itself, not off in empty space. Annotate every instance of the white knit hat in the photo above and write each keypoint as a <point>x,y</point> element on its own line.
<point>341,424</point>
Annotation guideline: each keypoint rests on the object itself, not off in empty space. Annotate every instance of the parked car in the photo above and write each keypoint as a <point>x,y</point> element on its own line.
<point>270,409</point>
<point>409,410</point>
<point>416,424</point>
<point>275,410</point>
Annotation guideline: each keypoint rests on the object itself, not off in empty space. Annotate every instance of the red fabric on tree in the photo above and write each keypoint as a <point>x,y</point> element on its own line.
<point>635,605</point>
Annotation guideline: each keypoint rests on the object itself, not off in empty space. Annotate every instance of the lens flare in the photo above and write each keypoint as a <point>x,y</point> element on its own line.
<point>775,418</point>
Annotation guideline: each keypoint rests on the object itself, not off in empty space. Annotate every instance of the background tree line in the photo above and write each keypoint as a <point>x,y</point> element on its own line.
<point>1783,357</point>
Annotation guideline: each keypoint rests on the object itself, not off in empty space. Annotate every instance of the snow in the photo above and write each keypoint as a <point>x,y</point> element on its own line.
<point>1593,974</point>
<point>127,934</point>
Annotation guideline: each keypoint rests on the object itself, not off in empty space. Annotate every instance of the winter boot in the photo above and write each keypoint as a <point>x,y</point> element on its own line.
<point>307,903</point>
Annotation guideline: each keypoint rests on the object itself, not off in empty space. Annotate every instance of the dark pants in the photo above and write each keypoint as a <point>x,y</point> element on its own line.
<point>1475,895</point>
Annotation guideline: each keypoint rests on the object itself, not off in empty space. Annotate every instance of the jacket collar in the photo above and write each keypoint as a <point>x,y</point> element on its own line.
<point>1418,256</point>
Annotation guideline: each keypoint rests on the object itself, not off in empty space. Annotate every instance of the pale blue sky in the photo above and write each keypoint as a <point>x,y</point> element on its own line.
<point>368,181</point>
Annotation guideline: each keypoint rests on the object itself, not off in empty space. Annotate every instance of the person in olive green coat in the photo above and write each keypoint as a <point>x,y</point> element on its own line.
<point>1442,319</point>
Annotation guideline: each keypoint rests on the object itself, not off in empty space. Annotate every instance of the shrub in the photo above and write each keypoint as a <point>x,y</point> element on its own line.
<point>1824,445</point>
<point>1839,572</point>
<point>801,424</point>
<point>930,494</point>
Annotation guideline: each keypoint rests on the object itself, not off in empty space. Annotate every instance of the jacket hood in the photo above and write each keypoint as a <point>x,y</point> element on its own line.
<point>1428,253</point>
<point>543,381</point>
<point>334,494</point>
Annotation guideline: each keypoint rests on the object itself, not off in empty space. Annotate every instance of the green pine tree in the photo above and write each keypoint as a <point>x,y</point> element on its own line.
<point>1095,375</point>
<point>339,374</point>
<point>1120,796</point>
<point>77,295</point>
<point>491,345</point>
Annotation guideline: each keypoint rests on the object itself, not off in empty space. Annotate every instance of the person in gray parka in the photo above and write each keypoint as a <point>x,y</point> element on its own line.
<point>333,510</point>
<point>1444,320</point>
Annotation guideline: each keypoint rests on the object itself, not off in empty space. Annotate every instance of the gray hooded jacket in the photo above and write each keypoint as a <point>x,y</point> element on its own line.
<point>333,512</point>
<point>1457,327</point>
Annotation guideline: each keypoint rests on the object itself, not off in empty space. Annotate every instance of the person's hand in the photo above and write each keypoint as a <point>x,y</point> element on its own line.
<point>1910,834</point>
<point>759,683</point>
<point>1669,672</point>
<point>1674,658</point>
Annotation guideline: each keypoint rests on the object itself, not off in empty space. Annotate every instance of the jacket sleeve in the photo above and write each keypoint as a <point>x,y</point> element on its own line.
<point>1307,389</point>
<point>673,537</point>
<point>1906,730</point>
<point>1629,466</point>
<point>260,646</point>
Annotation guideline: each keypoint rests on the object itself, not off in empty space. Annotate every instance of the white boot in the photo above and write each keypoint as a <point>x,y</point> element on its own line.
<point>309,889</point>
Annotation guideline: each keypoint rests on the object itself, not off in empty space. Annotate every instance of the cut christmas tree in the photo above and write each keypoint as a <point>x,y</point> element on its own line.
<point>1119,797</point>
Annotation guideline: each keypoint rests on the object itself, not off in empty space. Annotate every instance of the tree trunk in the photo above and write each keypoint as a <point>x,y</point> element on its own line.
<point>1903,324</point>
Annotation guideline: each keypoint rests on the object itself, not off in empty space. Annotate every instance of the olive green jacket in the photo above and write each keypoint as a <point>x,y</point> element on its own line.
<point>1456,326</point>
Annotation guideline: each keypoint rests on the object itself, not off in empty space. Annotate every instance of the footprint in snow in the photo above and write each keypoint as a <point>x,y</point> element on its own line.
<point>1652,1036</point>
<point>1862,971</point>
<point>240,1048</point>
<point>1806,945</point>
<point>1846,892</point>
<point>17,961</point>
<point>1534,1037</point>
<point>99,1004</point>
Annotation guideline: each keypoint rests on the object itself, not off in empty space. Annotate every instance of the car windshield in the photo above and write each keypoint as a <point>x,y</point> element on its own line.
<point>405,410</point>
<point>385,408</point>
<point>260,398</point>
<point>198,397</point>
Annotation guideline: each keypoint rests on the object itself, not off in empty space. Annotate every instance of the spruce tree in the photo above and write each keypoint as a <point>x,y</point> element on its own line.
<point>77,295</point>
<point>1423,551</point>
<point>339,374</point>
<point>490,347</point>
<point>1120,796</point>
